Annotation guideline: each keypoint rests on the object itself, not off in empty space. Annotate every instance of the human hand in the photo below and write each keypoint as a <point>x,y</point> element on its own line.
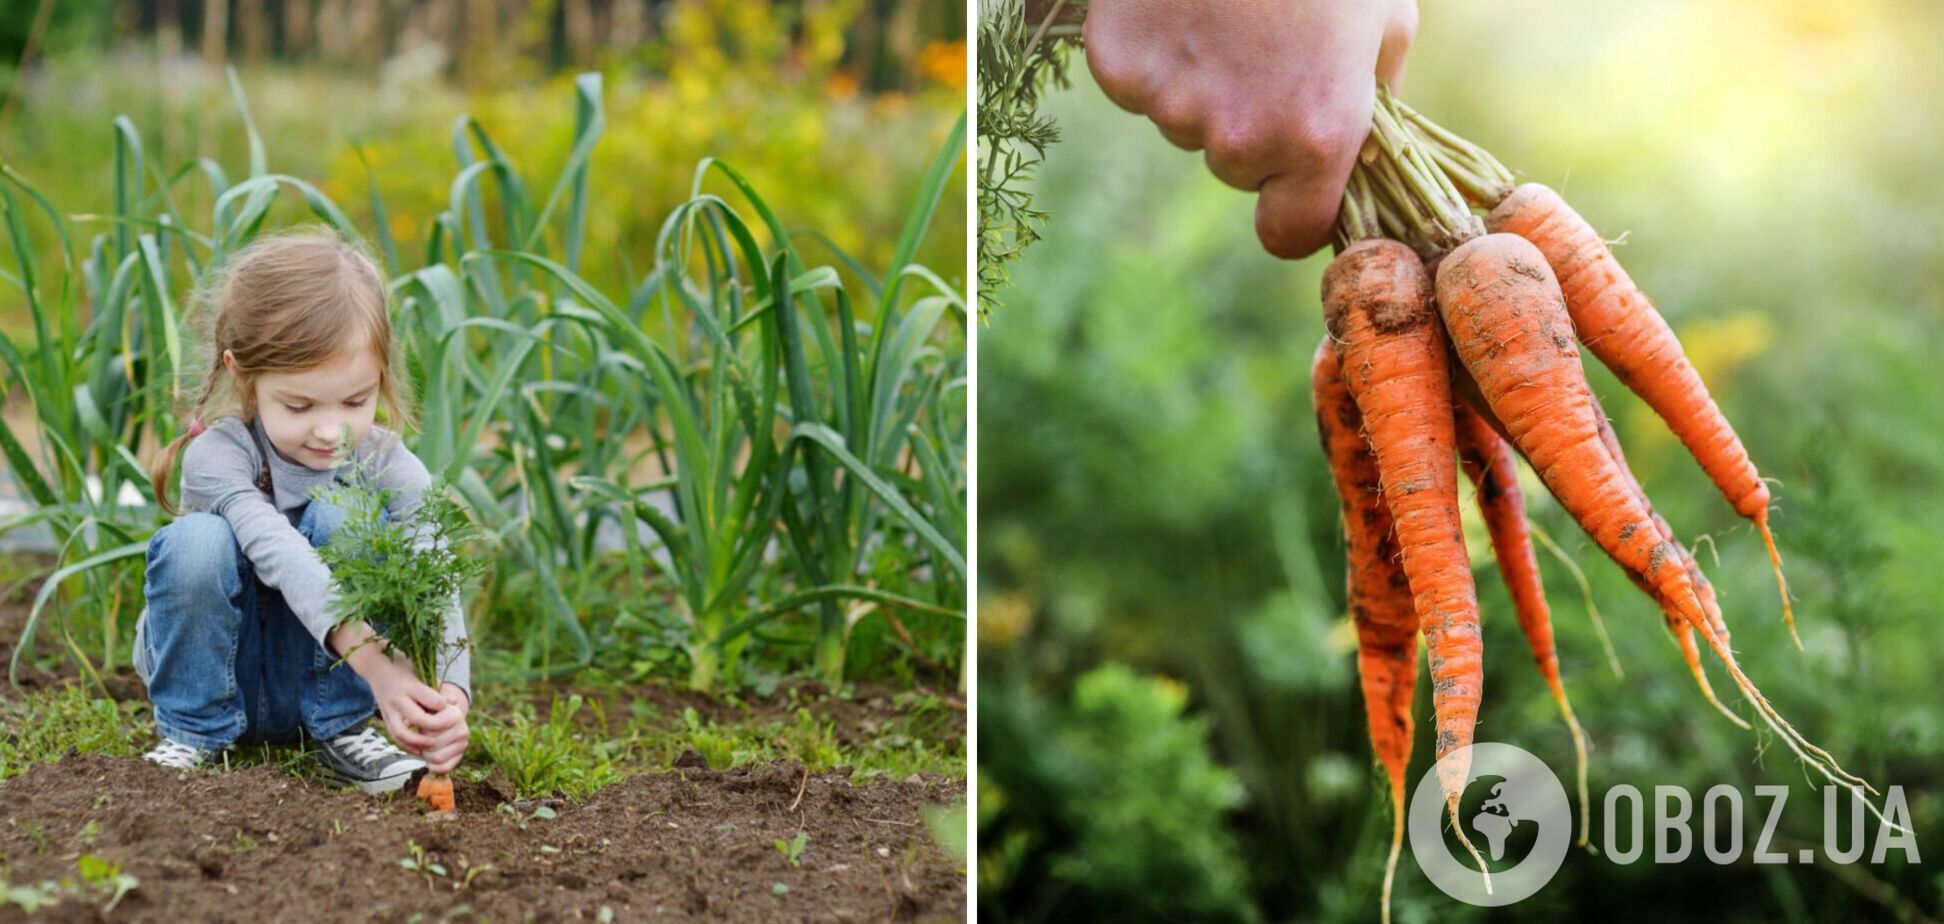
<point>1278,93</point>
<point>419,718</point>
<point>449,745</point>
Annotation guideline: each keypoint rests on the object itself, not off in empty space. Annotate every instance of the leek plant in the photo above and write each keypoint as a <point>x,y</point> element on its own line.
<point>754,433</point>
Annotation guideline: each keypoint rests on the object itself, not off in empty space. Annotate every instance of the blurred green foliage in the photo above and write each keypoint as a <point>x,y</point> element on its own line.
<point>1148,839</point>
<point>757,85</point>
<point>67,24</point>
<point>1151,492</point>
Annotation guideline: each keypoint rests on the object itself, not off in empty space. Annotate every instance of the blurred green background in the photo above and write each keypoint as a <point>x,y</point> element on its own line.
<point>833,107</point>
<point>1168,718</point>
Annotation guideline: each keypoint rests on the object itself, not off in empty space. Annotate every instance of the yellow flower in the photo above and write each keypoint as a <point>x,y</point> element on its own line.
<point>402,227</point>
<point>841,86</point>
<point>1003,618</point>
<point>944,62</point>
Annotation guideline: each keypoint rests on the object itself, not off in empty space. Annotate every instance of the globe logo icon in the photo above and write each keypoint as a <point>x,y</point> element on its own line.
<point>1523,804</point>
<point>1497,819</point>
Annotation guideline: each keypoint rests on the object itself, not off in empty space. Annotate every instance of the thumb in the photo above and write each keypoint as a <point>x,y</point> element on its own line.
<point>1398,35</point>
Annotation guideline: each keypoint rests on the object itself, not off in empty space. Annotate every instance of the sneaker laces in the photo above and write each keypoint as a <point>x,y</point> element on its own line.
<point>364,745</point>
<point>176,754</point>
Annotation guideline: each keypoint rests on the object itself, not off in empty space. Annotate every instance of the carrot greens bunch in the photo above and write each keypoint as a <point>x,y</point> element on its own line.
<point>400,576</point>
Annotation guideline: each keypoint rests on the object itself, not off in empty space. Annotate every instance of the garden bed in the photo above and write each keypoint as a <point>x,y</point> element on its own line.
<point>255,844</point>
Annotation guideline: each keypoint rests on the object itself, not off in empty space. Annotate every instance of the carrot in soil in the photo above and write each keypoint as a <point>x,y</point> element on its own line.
<point>1380,595</point>
<point>1489,463</point>
<point>1377,303</point>
<point>1509,326</point>
<point>435,790</point>
<point>1623,328</point>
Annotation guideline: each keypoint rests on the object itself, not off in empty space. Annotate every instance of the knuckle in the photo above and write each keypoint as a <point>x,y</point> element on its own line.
<point>1178,115</point>
<point>1237,142</point>
<point>1324,134</point>
<point>1111,72</point>
<point>1114,64</point>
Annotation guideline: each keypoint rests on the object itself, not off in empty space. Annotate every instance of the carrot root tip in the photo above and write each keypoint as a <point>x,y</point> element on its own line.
<point>1459,829</point>
<point>1390,863</point>
<point>1781,582</point>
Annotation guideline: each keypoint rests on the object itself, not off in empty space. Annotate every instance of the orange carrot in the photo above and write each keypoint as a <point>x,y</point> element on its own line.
<point>1510,329</point>
<point>1489,463</point>
<point>1377,303</point>
<point>435,790</point>
<point>1380,595</point>
<point>1474,401</point>
<point>1509,326</point>
<point>1621,326</point>
<point>1683,633</point>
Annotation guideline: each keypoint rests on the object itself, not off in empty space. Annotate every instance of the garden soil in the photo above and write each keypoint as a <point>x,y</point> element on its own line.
<point>257,844</point>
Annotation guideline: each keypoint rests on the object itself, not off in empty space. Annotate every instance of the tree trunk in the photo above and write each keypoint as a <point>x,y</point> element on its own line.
<point>215,37</point>
<point>628,25</point>
<point>579,22</point>
<point>367,31</point>
<point>168,29</point>
<point>477,60</point>
<point>332,43</point>
<point>253,30</point>
<point>296,28</point>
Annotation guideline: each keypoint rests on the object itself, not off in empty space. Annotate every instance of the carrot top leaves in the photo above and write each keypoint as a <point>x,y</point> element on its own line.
<point>399,575</point>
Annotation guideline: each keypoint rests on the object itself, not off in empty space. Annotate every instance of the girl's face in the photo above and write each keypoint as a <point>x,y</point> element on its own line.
<point>306,413</point>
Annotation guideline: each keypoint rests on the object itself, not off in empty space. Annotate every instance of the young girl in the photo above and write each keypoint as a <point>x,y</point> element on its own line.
<point>237,642</point>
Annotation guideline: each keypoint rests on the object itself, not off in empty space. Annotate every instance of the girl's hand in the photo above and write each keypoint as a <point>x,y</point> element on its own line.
<point>418,718</point>
<point>450,744</point>
<point>426,722</point>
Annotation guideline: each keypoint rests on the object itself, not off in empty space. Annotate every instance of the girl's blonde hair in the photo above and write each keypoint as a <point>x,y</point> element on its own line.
<point>285,303</point>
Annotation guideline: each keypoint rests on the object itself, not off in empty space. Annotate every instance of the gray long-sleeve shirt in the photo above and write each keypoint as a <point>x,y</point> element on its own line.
<point>219,473</point>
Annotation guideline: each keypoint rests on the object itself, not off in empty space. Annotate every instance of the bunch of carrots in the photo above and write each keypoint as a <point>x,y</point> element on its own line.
<point>1454,342</point>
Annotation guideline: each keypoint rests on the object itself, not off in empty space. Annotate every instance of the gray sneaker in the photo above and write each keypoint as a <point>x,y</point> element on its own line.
<point>178,756</point>
<point>365,759</point>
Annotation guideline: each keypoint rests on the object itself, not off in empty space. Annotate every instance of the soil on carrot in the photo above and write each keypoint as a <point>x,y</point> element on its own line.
<point>760,843</point>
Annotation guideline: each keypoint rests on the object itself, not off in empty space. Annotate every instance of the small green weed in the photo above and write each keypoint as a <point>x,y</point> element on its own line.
<point>792,850</point>
<point>43,726</point>
<point>540,758</point>
<point>95,879</point>
<point>417,861</point>
<point>895,750</point>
